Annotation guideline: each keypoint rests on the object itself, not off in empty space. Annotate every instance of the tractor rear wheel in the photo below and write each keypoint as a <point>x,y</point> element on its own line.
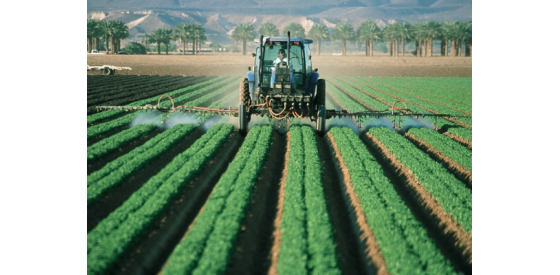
<point>245,97</point>
<point>321,94</point>
<point>321,120</point>
<point>244,94</point>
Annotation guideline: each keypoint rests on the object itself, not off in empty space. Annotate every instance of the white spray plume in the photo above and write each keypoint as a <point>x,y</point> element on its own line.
<point>149,117</point>
<point>180,118</point>
<point>415,123</point>
<point>343,122</point>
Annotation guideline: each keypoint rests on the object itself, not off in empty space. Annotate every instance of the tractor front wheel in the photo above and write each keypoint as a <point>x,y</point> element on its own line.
<point>321,94</point>
<point>243,122</point>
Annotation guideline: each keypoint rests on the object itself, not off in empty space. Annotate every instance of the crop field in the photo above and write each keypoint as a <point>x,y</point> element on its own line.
<point>187,194</point>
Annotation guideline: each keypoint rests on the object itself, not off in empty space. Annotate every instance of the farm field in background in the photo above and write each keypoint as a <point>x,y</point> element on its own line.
<point>166,194</point>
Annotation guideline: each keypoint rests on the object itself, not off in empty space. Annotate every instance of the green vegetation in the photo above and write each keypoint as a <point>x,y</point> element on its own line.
<point>403,240</point>
<point>112,143</point>
<point>117,170</point>
<point>446,146</point>
<point>243,32</point>
<point>307,239</point>
<point>454,197</point>
<point>118,232</point>
<point>207,247</point>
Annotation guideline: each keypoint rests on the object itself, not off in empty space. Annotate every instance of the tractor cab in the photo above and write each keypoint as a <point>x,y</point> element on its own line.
<point>295,76</point>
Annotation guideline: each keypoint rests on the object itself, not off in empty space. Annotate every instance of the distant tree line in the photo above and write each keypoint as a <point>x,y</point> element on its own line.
<point>453,35</point>
<point>112,31</point>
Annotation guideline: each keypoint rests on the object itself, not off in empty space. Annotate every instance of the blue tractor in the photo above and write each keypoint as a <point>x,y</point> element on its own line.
<point>282,83</point>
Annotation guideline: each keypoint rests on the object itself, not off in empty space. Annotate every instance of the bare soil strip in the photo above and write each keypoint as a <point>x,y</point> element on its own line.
<point>467,143</point>
<point>427,109</point>
<point>453,167</point>
<point>255,238</point>
<point>349,247</point>
<point>353,97</point>
<point>373,251</point>
<point>97,164</point>
<point>277,235</point>
<point>149,255</point>
<point>425,99</point>
<point>459,240</point>
<point>114,198</point>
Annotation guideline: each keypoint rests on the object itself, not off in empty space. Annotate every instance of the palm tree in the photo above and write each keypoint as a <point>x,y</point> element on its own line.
<point>468,38</point>
<point>184,32</point>
<point>343,32</point>
<point>215,46</point>
<point>418,34</point>
<point>295,29</point>
<point>162,35</point>
<point>319,33</point>
<point>106,32</point>
<point>402,30</point>
<point>369,32</point>
<point>198,36</point>
<point>390,35</point>
<point>432,31</point>
<point>92,31</point>
<point>268,29</point>
<point>243,32</point>
<point>120,32</point>
<point>446,35</point>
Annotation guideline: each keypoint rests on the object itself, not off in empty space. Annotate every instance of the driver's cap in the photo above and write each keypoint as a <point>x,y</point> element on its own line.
<point>282,51</point>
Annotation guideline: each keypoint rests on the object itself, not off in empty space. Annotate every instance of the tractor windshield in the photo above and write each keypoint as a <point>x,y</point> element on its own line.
<point>297,63</point>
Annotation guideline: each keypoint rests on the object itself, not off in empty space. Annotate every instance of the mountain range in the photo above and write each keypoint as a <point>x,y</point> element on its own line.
<point>219,17</point>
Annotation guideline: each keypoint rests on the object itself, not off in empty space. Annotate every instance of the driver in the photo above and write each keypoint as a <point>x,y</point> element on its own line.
<point>281,57</point>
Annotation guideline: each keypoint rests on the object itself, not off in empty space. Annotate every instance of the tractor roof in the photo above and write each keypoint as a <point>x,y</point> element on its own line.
<point>284,39</point>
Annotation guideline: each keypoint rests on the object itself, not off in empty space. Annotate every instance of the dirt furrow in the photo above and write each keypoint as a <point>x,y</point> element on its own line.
<point>372,249</point>
<point>456,238</point>
<point>349,248</point>
<point>453,167</point>
<point>277,234</point>
<point>150,254</point>
<point>255,239</point>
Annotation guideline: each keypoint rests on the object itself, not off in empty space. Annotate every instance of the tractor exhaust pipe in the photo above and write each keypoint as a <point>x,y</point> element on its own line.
<point>261,60</point>
<point>289,67</point>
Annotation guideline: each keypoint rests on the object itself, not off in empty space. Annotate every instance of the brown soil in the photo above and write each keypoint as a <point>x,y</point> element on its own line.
<point>454,234</point>
<point>328,65</point>
<point>149,255</point>
<point>373,250</point>
<point>277,235</point>
<point>456,169</point>
<point>465,142</point>
<point>254,240</point>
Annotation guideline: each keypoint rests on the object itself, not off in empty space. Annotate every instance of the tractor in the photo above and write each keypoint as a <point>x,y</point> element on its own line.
<point>284,89</point>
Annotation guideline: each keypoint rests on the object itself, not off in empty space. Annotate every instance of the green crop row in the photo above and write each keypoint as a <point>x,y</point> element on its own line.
<point>432,106</point>
<point>440,123</point>
<point>412,88</point>
<point>403,240</point>
<point>182,100</point>
<point>208,245</point>
<point>454,197</point>
<point>107,114</point>
<point>203,99</point>
<point>461,85</point>
<point>445,145</point>
<point>116,233</point>
<point>307,236</point>
<point>110,125</point>
<point>112,143</point>
<point>366,99</point>
<point>119,169</point>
